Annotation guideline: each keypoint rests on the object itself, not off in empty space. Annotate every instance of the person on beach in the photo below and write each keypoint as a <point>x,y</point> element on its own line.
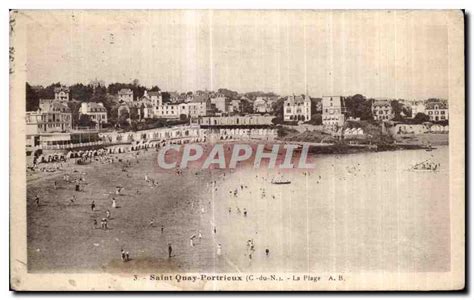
<point>170,250</point>
<point>219,250</point>
<point>78,187</point>
<point>199,236</point>
<point>162,229</point>
<point>95,224</point>
<point>127,256</point>
<point>151,223</point>
<point>245,212</point>
<point>267,252</point>
<point>191,241</point>
<point>37,201</point>
<point>93,205</point>
<point>55,185</point>
<point>122,255</point>
<point>107,213</point>
<point>72,200</point>
<point>114,203</point>
<point>104,224</point>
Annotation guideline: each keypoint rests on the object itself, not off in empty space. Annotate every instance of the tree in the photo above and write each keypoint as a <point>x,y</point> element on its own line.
<point>396,109</point>
<point>32,99</point>
<point>315,103</point>
<point>85,121</point>
<point>81,92</point>
<point>48,92</point>
<point>358,106</point>
<point>166,97</point>
<point>277,107</point>
<point>74,106</point>
<point>316,119</point>
<point>277,120</point>
<point>420,118</point>
<point>123,120</point>
<point>228,93</point>
<point>134,113</point>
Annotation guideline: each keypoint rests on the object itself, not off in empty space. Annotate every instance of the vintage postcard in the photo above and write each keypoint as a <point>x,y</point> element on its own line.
<point>244,150</point>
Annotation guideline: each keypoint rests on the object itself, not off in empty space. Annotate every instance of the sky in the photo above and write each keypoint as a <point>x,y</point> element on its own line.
<point>394,54</point>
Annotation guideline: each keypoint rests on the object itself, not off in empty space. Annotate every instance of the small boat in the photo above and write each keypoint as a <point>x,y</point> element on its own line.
<point>429,148</point>
<point>281,180</point>
<point>426,165</point>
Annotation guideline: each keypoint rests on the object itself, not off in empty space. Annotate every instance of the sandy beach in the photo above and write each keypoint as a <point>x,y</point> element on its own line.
<point>327,219</point>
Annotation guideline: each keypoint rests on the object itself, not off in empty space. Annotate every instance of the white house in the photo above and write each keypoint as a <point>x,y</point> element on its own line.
<point>260,105</point>
<point>61,93</point>
<point>437,111</point>
<point>297,108</point>
<point>382,110</point>
<point>333,111</point>
<point>53,115</point>
<point>95,110</point>
<point>221,102</point>
<point>125,95</point>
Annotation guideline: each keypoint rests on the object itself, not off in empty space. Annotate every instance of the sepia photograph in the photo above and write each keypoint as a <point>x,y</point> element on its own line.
<point>246,150</point>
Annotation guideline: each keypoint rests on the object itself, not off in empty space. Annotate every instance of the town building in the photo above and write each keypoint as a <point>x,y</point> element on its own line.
<point>199,106</point>
<point>417,106</point>
<point>260,105</point>
<point>125,95</point>
<point>235,121</point>
<point>61,93</point>
<point>437,111</point>
<point>221,103</point>
<point>155,97</point>
<point>95,110</point>
<point>166,110</point>
<point>297,108</point>
<point>144,105</point>
<point>382,110</point>
<point>53,115</point>
<point>236,105</point>
<point>333,111</point>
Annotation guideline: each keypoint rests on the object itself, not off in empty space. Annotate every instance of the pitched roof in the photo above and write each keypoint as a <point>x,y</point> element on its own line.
<point>381,103</point>
<point>125,92</point>
<point>157,93</point>
<point>297,99</point>
<point>59,107</point>
<point>440,104</point>
<point>95,107</point>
